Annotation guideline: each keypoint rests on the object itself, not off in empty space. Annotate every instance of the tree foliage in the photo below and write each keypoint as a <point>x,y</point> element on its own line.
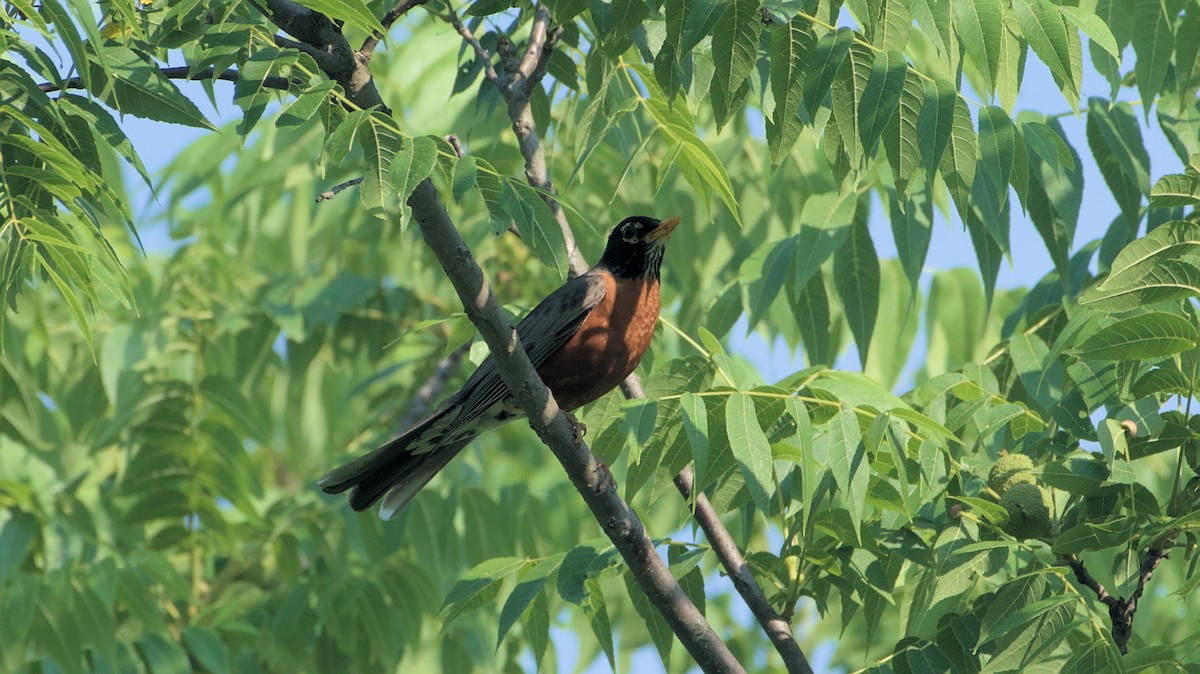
<point>164,413</point>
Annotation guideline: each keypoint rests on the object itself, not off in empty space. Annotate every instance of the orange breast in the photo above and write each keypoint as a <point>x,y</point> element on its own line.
<point>608,346</point>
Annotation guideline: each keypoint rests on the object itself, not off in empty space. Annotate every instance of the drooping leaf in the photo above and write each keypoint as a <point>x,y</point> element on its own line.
<point>979,26</point>
<point>881,97</point>
<point>1153,43</point>
<point>750,448</point>
<point>856,276</point>
<point>735,46</point>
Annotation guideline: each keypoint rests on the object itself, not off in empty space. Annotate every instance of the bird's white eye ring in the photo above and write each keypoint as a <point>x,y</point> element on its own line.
<point>629,233</point>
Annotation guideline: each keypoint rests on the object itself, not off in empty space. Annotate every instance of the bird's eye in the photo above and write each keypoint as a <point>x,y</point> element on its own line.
<point>629,232</point>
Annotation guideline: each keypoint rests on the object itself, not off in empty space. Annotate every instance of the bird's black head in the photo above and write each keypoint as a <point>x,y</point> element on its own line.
<point>635,247</point>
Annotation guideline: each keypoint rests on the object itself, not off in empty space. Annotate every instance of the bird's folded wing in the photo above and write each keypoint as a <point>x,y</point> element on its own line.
<point>546,329</point>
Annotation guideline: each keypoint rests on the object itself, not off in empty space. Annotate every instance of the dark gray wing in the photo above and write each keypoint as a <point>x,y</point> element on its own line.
<point>551,323</point>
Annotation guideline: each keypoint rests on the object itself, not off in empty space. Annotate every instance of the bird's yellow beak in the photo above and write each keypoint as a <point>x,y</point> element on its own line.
<point>664,229</point>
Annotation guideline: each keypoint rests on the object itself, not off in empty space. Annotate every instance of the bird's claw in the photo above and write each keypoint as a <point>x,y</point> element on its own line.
<point>578,428</point>
<point>606,478</point>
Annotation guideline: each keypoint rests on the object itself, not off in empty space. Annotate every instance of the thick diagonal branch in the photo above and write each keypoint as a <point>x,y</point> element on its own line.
<point>588,475</point>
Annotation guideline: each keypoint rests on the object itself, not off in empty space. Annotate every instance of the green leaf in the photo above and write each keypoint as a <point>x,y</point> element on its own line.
<point>997,151</point>
<point>856,276</point>
<point>849,88</point>
<point>734,49</point>
<point>979,24</point>
<point>892,27</point>
<point>381,144</point>
<point>464,177</point>
<point>881,98</point>
<point>107,128</point>
<point>810,307</point>
<point>1013,51</point>
<point>1093,27</point>
<point>17,535</point>
<point>791,52</point>
<point>936,121</point>
<point>912,229</point>
<point>1153,43</point>
<point>136,87</point>
<point>530,582</point>
<point>477,587</point>
<point>847,461</point>
<point>762,276</point>
<point>1150,335</point>
<point>1168,241</point>
<point>1176,189</point>
<point>354,12</point>
<point>1078,475</point>
<point>825,223</point>
<point>565,10</point>
<point>827,59</point>
<point>596,611</point>
<point>695,426</point>
<point>206,647</point>
<point>537,627</point>
<point>958,163</point>
<point>750,449</point>
<point>248,92</point>
<point>412,163</point>
<point>537,224</point>
<point>1045,31</point>
<point>900,139</point>
<point>306,105</point>
<point>660,633</point>
<point>1098,536</point>
<point>675,121</point>
<point>1116,142</point>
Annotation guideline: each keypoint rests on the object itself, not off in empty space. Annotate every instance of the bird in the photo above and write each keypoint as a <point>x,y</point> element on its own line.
<point>584,339</point>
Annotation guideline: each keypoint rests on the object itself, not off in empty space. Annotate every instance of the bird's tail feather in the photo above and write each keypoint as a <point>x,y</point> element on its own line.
<point>401,467</point>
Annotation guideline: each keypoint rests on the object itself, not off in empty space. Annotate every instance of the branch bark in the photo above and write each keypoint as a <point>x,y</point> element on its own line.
<point>176,73</point>
<point>590,477</point>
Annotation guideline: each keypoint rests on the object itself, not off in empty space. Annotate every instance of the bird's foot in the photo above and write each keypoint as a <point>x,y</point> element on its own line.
<point>606,478</point>
<point>578,428</point>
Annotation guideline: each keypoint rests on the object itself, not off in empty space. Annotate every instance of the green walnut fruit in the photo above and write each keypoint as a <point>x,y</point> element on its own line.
<point>1028,507</point>
<point>1009,471</point>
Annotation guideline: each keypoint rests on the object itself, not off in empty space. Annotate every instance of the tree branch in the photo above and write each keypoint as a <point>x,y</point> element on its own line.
<point>337,189</point>
<point>176,73</point>
<point>589,476</point>
<point>489,70</point>
<point>329,48</point>
<point>777,629</point>
<point>1120,610</point>
<point>368,47</point>
<point>522,77</point>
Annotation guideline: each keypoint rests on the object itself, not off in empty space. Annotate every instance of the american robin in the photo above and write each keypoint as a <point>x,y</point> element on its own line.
<point>584,339</point>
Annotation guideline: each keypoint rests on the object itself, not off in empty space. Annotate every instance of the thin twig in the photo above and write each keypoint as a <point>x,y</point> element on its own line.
<point>489,70</point>
<point>368,47</point>
<point>176,73</point>
<point>336,189</point>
